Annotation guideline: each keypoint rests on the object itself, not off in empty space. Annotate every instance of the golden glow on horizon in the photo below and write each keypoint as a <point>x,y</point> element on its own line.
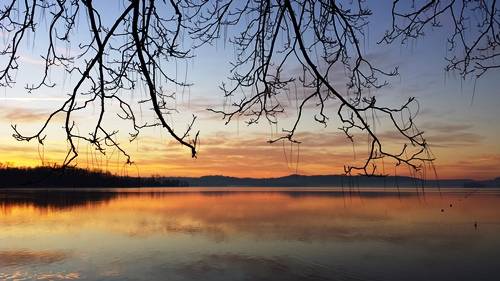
<point>460,153</point>
<point>244,157</point>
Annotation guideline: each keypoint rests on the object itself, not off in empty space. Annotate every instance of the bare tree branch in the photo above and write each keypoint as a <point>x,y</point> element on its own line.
<point>279,45</point>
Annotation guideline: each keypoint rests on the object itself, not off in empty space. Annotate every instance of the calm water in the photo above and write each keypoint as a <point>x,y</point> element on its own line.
<point>249,234</point>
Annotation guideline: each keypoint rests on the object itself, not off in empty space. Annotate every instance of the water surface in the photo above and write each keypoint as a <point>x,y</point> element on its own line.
<point>250,234</point>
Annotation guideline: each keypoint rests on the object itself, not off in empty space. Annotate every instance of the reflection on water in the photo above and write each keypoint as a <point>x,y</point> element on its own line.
<point>249,234</point>
<point>25,257</point>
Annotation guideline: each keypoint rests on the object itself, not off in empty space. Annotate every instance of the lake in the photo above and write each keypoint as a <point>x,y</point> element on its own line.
<point>250,234</point>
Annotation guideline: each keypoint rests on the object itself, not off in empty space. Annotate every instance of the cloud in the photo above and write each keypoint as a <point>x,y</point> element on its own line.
<point>21,114</point>
<point>28,59</point>
<point>250,155</point>
<point>454,139</point>
<point>451,135</point>
<point>25,115</point>
<point>474,164</point>
<point>447,128</point>
<point>440,135</point>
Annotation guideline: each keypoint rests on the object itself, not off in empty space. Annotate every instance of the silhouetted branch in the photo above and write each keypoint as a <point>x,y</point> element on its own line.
<point>319,36</point>
<point>474,41</point>
<point>116,58</point>
<point>279,45</point>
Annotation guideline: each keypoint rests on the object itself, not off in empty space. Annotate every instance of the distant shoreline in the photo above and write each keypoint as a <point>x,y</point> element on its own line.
<point>55,177</point>
<point>333,181</point>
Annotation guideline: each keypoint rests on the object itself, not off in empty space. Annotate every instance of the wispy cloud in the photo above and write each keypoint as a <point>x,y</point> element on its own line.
<point>223,153</point>
<point>451,135</point>
<point>18,115</point>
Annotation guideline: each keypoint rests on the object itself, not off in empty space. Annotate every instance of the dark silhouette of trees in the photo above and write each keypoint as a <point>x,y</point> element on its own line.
<point>19,177</point>
<point>316,37</point>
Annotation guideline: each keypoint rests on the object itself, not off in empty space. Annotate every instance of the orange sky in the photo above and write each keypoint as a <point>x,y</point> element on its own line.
<point>463,131</point>
<point>463,139</point>
<point>232,154</point>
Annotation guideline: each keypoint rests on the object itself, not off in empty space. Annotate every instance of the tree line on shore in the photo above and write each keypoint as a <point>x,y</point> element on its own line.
<point>54,176</point>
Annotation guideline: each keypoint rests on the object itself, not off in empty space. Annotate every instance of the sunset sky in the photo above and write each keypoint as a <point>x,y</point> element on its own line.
<point>459,117</point>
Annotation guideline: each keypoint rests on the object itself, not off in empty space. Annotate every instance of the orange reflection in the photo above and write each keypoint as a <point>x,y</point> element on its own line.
<point>20,257</point>
<point>287,215</point>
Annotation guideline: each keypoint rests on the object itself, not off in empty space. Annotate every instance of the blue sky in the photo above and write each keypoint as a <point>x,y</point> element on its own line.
<point>459,116</point>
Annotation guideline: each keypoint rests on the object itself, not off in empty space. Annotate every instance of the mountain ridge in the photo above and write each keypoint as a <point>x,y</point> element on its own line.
<point>295,180</point>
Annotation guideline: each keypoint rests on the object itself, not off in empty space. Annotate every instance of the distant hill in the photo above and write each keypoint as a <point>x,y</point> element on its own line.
<point>82,178</point>
<point>332,181</point>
